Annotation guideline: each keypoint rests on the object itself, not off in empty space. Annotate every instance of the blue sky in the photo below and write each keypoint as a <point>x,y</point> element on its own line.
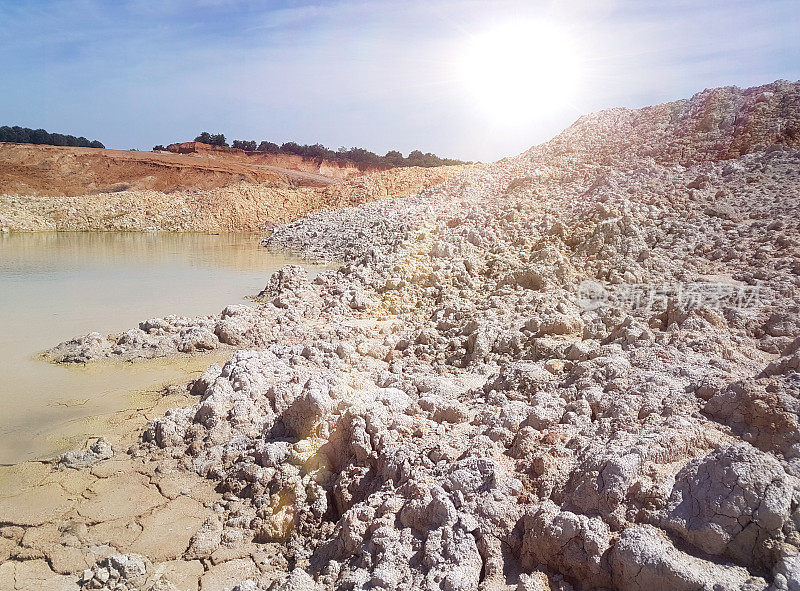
<point>375,74</point>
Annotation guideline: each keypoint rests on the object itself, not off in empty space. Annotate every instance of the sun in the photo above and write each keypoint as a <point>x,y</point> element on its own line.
<point>519,71</point>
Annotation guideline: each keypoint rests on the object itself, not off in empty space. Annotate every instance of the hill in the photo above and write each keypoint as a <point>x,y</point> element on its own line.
<point>715,124</point>
<point>237,205</point>
<point>56,171</point>
<point>194,188</point>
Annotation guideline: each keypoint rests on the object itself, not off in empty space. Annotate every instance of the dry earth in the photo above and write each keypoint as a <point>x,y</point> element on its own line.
<point>240,207</point>
<point>58,171</point>
<point>578,368</point>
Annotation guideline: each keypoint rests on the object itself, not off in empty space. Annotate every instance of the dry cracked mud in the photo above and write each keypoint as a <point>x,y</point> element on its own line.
<point>578,368</point>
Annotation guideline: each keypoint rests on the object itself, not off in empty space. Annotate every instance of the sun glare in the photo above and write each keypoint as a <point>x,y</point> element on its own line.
<point>518,71</point>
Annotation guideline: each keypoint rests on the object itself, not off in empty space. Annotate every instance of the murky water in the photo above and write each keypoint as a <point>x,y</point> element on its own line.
<point>54,286</point>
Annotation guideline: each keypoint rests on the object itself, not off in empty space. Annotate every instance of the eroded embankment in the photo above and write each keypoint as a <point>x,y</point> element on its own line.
<point>558,372</point>
<point>61,171</point>
<point>238,207</point>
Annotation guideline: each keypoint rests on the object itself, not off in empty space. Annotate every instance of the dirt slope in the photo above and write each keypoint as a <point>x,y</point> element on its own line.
<point>243,206</point>
<point>716,124</point>
<point>58,171</point>
<point>26,169</point>
<point>329,169</point>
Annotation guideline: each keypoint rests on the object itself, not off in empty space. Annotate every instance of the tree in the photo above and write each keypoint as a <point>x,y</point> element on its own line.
<point>39,136</point>
<point>159,148</point>
<point>248,145</point>
<point>357,155</point>
<point>269,147</point>
<point>212,139</point>
<point>317,151</point>
<point>360,155</point>
<point>394,157</point>
<point>21,135</point>
<point>292,148</point>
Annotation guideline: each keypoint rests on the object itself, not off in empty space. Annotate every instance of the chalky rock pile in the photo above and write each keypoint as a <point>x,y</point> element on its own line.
<point>446,411</point>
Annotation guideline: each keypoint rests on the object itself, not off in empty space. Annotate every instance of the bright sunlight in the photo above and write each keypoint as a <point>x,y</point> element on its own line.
<point>516,71</point>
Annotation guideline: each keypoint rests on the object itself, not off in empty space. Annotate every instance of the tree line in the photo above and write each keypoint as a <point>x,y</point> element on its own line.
<point>26,135</point>
<point>357,155</point>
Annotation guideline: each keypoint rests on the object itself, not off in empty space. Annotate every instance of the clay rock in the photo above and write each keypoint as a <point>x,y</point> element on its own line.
<point>722,210</point>
<point>560,324</point>
<point>644,559</point>
<point>233,329</point>
<point>529,278</point>
<point>604,481</point>
<point>575,545</point>
<point>429,508</point>
<point>786,573</point>
<point>735,502</point>
<point>440,408</point>
<point>533,582</point>
<point>545,411</point>
<point>80,350</point>
<point>118,572</point>
<point>471,476</point>
<point>197,339</point>
<point>98,451</point>
<point>785,365</point>
<point>523,377</point>
<point>307,410</point>
<point>297,580</point>
<point>763,412</point>
<point>201,384</point>
<point>443,410</point>
<point>418,543</point>
<point>287,282</point>
<point>206,540</point>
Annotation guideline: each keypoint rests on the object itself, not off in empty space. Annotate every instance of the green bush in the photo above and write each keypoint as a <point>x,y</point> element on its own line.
<point>212,139</point>
<point>357,155</point>
<point>249,145</point>
<point>25,135</point>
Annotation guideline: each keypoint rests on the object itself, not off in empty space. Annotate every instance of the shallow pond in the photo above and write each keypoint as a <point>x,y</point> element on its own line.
<point>54,286</point>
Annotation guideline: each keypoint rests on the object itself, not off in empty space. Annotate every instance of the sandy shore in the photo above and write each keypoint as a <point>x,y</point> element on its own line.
<point>56,521</point>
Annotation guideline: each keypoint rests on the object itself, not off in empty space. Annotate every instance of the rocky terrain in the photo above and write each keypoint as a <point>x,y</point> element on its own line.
<point>245,205</point>
<point>574,369</point>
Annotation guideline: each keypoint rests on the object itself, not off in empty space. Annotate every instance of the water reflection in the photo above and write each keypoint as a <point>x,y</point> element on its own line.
<point>54,286</point>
